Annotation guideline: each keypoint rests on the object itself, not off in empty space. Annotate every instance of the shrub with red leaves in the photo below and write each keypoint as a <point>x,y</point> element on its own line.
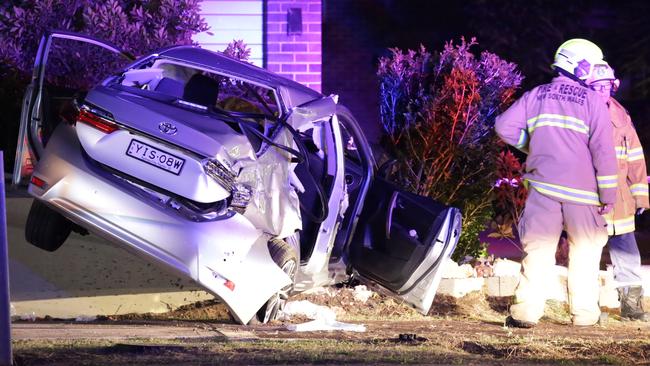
<point>437,113</point>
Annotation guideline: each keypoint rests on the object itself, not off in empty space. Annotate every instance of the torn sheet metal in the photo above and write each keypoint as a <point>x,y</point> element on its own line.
<point>274,206</point>
<point>303,116</point>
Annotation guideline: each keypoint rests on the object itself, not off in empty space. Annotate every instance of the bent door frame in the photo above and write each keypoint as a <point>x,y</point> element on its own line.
<point>395,248</point>
<point>31,115</point>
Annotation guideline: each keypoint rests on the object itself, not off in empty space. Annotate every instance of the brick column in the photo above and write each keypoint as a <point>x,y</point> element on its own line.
<point>297,57</point>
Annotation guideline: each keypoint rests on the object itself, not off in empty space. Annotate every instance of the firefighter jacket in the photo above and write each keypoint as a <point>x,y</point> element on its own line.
<point>565,129</point>
<point>632,174</point>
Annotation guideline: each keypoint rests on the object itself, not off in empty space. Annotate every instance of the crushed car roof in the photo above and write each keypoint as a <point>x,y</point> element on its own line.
<point>220,62</point>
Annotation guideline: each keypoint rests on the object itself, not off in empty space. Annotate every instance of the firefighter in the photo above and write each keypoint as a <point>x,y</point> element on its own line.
<point>571,172</point>
<point>631,199</point>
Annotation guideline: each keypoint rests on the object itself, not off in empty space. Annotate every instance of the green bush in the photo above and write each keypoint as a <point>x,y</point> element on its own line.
<point>437,112</point>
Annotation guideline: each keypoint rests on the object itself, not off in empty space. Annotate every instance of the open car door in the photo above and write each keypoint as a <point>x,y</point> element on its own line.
<point>66,58</point>
<point>401,242</point>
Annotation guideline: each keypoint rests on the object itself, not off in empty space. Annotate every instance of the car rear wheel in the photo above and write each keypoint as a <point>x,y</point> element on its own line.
<point>286,258</point>
<point>46,228</point>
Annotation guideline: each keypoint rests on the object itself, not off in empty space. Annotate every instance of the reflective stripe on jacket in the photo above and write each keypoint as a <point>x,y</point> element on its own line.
<point>565,129</point>
<point>632,174</point>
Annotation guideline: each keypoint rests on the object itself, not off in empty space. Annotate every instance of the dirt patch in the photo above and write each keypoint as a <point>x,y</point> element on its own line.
<point>435,341</point>
<point>349,307</point>
<point>209,310</point>
<point>466,330</point>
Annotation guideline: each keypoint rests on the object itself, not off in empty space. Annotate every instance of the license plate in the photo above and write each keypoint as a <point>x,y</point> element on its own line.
<point>154,156</point>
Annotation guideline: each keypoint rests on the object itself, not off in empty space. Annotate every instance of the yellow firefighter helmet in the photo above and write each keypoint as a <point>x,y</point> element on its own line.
<point>604,72</point>
<point>578,57</point>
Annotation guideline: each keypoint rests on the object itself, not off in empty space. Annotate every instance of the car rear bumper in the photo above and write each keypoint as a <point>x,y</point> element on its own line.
<point>228,256</point>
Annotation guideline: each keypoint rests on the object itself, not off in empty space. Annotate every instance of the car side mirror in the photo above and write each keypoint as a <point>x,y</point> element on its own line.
<point>386,168</point>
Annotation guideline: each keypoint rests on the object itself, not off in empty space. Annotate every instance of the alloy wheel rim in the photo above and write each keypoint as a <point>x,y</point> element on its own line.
<point>279,299</point>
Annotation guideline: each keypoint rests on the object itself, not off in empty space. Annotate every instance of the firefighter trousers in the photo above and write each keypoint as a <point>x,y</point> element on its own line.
<point>539,231</point>
<point>626,259</point>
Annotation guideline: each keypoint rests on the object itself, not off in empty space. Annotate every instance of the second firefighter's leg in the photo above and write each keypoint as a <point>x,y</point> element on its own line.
<point>624,253</point>
<point>626,259</point>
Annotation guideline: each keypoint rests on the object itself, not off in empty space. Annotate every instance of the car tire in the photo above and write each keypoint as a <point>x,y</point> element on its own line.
<point>46,228</point>
<point>286,258</point>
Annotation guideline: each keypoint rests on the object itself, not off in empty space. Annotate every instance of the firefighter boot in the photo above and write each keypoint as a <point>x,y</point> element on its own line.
<point>632,303</point>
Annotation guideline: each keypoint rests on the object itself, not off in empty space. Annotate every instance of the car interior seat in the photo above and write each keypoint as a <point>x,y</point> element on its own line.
<point>201,89</point>
<point>170,86</point>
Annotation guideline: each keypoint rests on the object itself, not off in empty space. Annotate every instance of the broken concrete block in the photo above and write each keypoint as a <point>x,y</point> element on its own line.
<point>448,268</point>
<point>501,286</point>
<point>459,287</point>
<point>451,269</point>
<point>608,293</point>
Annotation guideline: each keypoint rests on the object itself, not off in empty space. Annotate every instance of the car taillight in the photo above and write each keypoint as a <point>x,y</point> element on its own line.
<point>93,120</point>
<point>38,182</point>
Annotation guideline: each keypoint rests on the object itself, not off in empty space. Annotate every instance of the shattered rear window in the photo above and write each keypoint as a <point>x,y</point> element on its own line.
<point>201,88</point>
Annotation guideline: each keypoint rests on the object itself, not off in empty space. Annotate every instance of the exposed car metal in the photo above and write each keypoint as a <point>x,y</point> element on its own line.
<point>252,185</point>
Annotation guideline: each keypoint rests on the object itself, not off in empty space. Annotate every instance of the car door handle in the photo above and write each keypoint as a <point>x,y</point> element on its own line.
<point>389,213</point>
<point>349,179</point>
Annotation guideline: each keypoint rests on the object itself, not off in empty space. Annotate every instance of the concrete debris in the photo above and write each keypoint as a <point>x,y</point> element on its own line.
<point>451,269</point>
<point>308,309</point>
<point>85,318</point>
<point>459,287</point>
<point>320,324</point>
<point>28,316</point>
<point>501,286</point>
<point>362,294</point>
<point>323,317</point>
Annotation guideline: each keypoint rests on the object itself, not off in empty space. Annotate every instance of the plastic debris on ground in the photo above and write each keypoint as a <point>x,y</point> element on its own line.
<point>323,317</point>
<point>85,318</point>
<point>28,317</point>
<point>362,294</point>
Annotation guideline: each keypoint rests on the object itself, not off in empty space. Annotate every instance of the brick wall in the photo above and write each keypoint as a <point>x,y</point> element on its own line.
<point>296,57</point>
<point>357,32</point>
<point>351,46</point>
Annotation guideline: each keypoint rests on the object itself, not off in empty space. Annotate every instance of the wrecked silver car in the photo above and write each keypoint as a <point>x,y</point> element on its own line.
<point>252,185</point>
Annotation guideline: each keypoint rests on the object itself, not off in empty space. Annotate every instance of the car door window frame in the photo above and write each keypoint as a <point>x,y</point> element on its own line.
<point>33,96</point>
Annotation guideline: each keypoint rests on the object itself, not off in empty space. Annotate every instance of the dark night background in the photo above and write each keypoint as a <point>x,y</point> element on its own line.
<point>356,33</point>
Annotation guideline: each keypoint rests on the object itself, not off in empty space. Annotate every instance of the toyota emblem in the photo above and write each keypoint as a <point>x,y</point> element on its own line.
<point>167,128</point>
